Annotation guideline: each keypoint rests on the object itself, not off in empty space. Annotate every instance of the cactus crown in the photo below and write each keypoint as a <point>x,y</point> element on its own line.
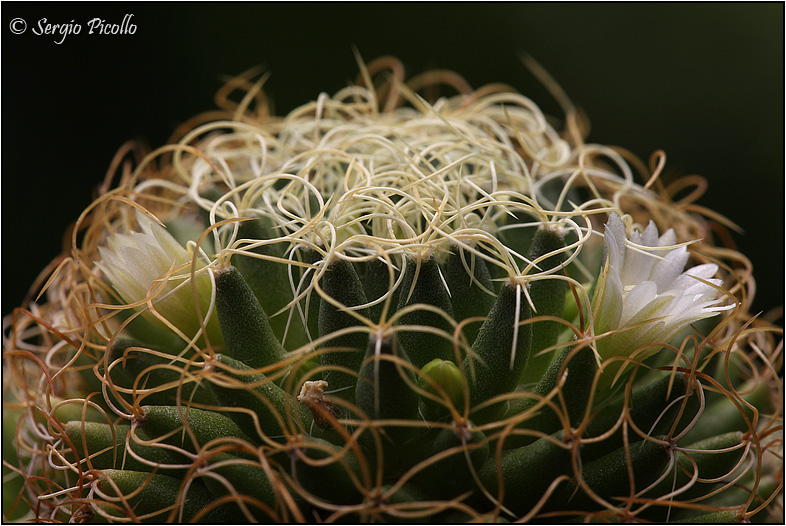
<point>383,308</point>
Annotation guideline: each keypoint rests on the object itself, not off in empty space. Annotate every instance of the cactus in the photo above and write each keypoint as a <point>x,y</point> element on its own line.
<point>380,308</point>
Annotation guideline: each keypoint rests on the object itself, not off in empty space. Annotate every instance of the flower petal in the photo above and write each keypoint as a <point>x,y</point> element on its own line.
<point>610,309</point>
<point>650,236</point>
<point>614,241</point>
<point>668,238</point>
<point>637,299</point>
<point>668,269</point>
<point>638,266</point>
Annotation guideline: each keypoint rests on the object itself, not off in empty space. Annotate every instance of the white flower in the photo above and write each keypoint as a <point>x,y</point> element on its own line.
<point>136,261</point>
<point>644,294</point>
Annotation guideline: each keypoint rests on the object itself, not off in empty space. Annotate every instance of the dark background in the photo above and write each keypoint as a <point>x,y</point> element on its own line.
<point>704,82</point>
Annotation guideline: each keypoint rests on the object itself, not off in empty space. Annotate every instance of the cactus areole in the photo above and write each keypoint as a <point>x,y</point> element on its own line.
<point>383,308</point>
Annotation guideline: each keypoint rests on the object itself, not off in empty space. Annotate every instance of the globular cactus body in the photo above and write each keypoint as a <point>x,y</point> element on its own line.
<point>383,309</point>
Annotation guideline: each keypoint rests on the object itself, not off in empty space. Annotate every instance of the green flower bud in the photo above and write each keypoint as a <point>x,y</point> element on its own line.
<point>442,378</point>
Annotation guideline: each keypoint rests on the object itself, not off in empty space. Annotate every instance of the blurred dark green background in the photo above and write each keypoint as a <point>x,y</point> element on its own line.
<point>704,82</point>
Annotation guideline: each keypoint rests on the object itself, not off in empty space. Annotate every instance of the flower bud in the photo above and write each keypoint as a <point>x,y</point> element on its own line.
<point>441,378</point>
